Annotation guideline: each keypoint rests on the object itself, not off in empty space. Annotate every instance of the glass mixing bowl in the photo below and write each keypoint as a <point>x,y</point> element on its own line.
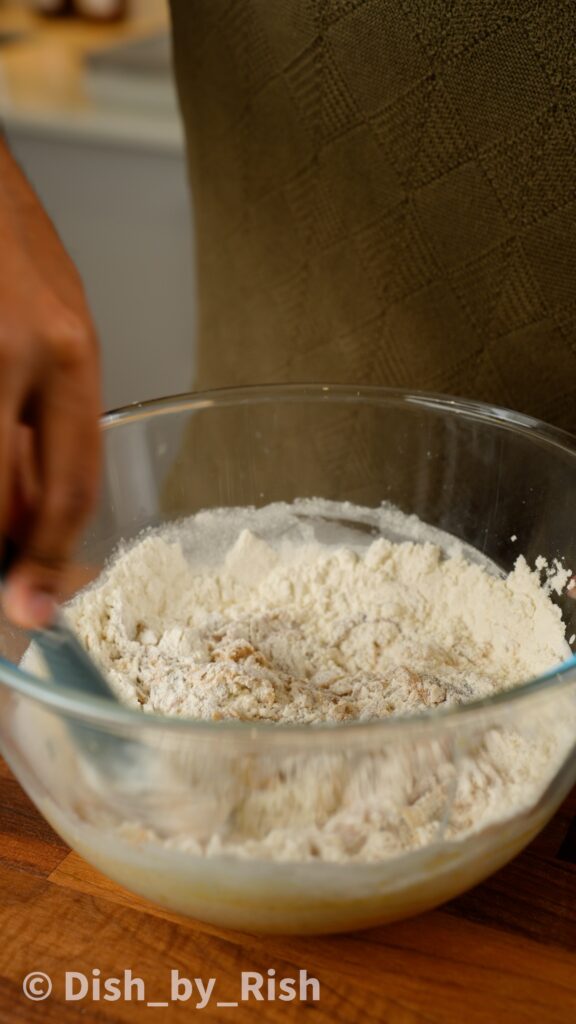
<point>122,787</point>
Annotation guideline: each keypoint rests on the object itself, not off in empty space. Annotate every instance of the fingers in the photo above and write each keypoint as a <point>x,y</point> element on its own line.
<point>68,459</point>
<point>7,433</point>
<point>11,386</point>
<point>49,379</point>
<point>25,492</point>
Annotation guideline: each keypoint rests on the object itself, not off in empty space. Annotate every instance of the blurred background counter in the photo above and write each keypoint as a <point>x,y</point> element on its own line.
<point>90,112</point>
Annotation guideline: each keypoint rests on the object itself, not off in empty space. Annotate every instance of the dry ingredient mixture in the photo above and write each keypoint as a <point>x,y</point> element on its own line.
<point>263,616</point>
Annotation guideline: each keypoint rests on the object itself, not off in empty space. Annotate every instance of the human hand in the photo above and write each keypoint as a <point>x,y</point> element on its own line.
<point>49,402</point>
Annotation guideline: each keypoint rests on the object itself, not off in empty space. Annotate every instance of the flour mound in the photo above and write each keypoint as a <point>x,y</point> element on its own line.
<point>293,614</point>
<point>303,631</point>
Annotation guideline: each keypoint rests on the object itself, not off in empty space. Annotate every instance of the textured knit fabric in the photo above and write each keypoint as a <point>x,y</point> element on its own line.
<point>385,193</point>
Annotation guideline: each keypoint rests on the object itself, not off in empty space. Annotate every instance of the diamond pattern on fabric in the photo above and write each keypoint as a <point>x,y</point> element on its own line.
<point>385,192</point>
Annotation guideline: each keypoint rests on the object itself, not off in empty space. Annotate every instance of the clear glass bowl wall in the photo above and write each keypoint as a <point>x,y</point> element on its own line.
<point>481,474</point>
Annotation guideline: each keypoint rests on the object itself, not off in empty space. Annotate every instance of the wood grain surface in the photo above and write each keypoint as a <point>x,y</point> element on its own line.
<point>505,952</point>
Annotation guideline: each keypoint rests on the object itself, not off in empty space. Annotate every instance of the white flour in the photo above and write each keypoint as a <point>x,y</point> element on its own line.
<point>308,632</point>
<point>289,622</point>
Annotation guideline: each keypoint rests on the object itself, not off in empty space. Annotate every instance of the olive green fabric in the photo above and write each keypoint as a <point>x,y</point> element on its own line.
<point>385,193</point>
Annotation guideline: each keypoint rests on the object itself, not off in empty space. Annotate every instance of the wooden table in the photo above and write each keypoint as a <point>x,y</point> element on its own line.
<point>505,952</point>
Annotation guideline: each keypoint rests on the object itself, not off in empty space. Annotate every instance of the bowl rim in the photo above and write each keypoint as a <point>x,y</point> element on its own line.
<point>103,711</point>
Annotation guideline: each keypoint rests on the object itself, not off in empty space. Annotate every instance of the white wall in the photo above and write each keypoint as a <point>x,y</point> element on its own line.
<point>123,212</point>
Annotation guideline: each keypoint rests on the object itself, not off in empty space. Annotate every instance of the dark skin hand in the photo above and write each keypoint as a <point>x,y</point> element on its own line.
<point>49,402</point>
